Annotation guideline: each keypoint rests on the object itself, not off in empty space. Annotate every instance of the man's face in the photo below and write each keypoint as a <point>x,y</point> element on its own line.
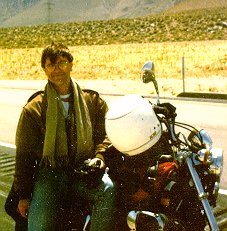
<point>58,73</point>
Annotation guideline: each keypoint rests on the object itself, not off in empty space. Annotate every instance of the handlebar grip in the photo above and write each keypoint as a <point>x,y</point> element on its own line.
<point>160,110</point>
<point>97,163</point>
<point>167,109</point>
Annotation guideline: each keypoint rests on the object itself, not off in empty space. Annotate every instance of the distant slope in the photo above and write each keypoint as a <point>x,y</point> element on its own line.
<point>206,24</point>
<point>38,12</point>
<point>186,5</point>
<point>10,8</point>
<point>49,11</point>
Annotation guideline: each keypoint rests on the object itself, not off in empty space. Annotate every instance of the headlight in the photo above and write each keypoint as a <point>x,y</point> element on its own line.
<point>213,159</point>
<point>200,139</point>
<point>216,158</point>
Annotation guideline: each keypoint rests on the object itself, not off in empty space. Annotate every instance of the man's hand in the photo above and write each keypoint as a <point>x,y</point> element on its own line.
<point>97,162</point>
<point>23,207</point>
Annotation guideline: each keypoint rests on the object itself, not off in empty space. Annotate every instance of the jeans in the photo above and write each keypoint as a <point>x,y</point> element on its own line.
<point>60,203</point>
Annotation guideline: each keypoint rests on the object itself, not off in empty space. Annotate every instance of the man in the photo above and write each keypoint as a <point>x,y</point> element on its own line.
<point>59,128</point>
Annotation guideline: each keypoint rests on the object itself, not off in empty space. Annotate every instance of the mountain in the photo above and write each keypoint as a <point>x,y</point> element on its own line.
<point>35,12</point>
<point>190,25</point>
<point>195,5</point>
<point>9,8</point>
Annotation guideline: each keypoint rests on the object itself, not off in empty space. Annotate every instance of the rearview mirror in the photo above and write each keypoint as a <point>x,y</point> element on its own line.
<point>147,72</point>
<point>147,75</point>
<point>149,65</point>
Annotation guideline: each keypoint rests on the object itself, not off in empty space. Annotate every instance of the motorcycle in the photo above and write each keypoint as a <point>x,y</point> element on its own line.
<point>183,183</point>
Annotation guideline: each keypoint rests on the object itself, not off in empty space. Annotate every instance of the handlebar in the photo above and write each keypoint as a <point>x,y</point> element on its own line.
<point>169,111</point>
<point>160,110</point>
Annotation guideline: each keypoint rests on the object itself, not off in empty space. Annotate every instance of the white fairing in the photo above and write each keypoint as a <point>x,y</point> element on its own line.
<point>131,125</point>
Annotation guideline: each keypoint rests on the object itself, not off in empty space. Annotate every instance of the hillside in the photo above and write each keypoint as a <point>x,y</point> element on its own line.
<point>36,12</point>
<point>204,24</point>
<point>10,8</point>
<point>188,5</point>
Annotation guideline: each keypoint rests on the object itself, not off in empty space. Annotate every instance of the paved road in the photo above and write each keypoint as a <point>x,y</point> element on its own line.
<point>7,161</point>
<point>208,115</point>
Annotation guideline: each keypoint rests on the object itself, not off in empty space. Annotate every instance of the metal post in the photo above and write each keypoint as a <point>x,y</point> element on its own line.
<point>183,74</point>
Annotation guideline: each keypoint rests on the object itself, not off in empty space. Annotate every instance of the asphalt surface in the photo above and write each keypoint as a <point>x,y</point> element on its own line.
<point>7,161</point>
<point>7,158</point>
<point>113,89</point>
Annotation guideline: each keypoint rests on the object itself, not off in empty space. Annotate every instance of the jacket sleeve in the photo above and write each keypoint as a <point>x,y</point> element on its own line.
<point>97,109</point>
<point>101,140</point>
<point>27,136</point>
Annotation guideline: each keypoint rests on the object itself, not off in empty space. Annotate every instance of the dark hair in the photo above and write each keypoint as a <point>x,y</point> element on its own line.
<point>53,51</point>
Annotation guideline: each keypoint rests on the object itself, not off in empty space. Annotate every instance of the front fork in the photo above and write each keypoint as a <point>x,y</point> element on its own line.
<point>202,195</point>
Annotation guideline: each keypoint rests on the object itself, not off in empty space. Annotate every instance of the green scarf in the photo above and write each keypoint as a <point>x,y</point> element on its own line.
<point>55,151</point>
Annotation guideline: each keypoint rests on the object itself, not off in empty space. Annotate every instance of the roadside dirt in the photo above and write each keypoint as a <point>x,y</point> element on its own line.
<point>167,87</point>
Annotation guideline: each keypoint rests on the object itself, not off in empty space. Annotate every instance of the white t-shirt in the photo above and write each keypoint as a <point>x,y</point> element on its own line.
<point>65,104</point>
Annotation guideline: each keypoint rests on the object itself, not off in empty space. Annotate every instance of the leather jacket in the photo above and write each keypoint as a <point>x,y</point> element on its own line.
<point>30,137</point>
